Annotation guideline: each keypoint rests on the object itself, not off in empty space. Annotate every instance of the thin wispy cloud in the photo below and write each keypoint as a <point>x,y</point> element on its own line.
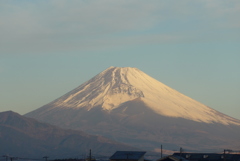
<point>60,25</point>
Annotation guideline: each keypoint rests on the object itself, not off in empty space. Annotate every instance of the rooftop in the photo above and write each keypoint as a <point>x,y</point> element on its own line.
<point>131,155</point>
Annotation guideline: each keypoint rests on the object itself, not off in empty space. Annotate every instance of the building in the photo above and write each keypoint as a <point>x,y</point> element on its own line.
<point>209,156</point>
<point>172,158</point>
<point>128,156</point>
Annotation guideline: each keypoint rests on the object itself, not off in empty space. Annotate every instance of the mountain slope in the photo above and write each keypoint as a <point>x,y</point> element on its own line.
<point>25,137</point>
<point>129,106</point>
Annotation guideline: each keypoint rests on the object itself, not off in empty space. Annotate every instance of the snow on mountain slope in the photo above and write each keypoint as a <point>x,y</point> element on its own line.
<point>115,86</point>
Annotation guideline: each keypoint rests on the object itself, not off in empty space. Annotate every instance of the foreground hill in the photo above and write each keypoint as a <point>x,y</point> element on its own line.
<point>25,137</point>
<point>127,105</point>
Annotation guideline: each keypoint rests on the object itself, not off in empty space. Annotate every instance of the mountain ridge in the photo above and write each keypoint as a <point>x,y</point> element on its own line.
<point>116,85</point>
<point>127,105</point>
<point>26,137</point>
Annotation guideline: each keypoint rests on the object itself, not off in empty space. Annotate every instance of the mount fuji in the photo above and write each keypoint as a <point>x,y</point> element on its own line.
<point>127,105</point>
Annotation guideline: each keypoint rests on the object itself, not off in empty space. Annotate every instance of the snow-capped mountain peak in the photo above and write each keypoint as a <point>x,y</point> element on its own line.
<point>114,86</point>
<point>108,90</point>
<point>129,106</point>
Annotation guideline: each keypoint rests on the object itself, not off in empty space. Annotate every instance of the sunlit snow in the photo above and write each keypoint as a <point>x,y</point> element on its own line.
<point>116,85</point>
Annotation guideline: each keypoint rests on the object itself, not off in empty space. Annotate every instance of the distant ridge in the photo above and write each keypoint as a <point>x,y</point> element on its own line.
<point>25,137</point>
<point>127,105</point>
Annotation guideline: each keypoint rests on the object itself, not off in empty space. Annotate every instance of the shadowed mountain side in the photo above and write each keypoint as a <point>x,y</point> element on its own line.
<point>133,123</point>
<point>127,105</point>
<point>25,137</point>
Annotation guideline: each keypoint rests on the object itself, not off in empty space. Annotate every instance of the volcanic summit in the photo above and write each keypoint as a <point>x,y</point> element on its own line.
<point>128,105</point>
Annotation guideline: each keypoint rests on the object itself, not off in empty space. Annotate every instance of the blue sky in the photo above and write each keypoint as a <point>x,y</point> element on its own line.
<point>49,47</point>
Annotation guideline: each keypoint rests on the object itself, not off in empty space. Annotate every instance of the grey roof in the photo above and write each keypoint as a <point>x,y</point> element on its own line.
<point>178,158</point>
<point>174,158</point>
<point>131,155</point>
<point>208,156</point>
